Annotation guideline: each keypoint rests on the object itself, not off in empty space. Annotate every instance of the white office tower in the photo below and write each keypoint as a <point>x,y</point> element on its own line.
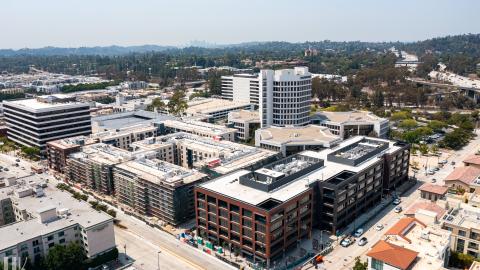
<point>34,122</point>
<point>285,97</point>
<point>241,88</point>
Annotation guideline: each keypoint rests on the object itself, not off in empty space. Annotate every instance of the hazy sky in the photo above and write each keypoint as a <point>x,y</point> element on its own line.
<point>73,23</point>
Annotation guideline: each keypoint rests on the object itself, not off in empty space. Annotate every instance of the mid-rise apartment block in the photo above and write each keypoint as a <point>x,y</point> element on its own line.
<point>59,150</point>
<point>93,166</point>
<point>34,122</point>
<point>46,217</point>
<point>265,211</point>
<point>206,154</point>
<point>353,123</point>
<point>155,188</point>
<point>261,212</point>
<point>122,138</point>
<point>208,130</point>
<point>214,109</point>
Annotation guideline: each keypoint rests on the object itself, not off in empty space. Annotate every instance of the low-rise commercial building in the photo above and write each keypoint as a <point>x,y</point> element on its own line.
<point>46,217</point>
<point>291,140</point>
<point>208,130</point>
<point>155,188</point>
<point>215,109</point>
<point>353,123</point>
<point>433,192</point>
<point>411,244</point>
<point>245,122</point>
<point>464,179</point>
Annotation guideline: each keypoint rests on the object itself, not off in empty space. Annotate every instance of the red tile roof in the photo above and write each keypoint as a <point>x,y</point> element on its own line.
<point>402,226</point>
<point>475,159</point>
<point>464,174</point>
<point>431,188</point>
<point>425,205</point>
<point>393,255</point>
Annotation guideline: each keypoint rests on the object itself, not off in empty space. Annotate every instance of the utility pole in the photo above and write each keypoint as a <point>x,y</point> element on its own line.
<point>158,259</point>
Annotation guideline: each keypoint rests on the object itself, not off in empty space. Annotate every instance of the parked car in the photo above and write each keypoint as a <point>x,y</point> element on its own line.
<point>379,227</point>
<point>398,209</point>
<point>434,180</point>
<point>436,169</point>
<point>6,169</point>
<point>397,201</point>
<point>363,241</point>
<point>431,172</point>
<point>346,242</point>
<point>443,161</point>
<point>453,163</point>
<point>17,160</point>
<point>358,232</point>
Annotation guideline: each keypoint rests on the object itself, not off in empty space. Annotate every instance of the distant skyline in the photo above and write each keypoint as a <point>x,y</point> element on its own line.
<point>77,23</point>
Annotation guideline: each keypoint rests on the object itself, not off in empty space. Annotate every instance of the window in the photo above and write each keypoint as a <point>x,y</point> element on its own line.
<point>36,249</point>
<point>376,264</point>
<point>61,241</point>
<point>60,234</point>
<point>462,233</point>
<point>51,245</point>
<point>460,245</point>
<point>50,238</point>
<point>35,243</point>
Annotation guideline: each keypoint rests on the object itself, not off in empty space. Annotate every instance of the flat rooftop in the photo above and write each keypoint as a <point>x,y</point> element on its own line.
<point>211,105</point>
<point>244,116</point>
<point>355,117</point>
<point>466,216</point>
<point>310,134</point>
<point>198,126</point>
<point>229,185</point>
<point>103,153</point>
<point>80,212</point>
<point>72,142</point>
<point>35,105</point>
<point>161,172</point>
<point>125,119</point>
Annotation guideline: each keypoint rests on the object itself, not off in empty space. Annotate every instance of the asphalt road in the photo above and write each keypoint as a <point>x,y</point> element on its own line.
<point>344,258</point>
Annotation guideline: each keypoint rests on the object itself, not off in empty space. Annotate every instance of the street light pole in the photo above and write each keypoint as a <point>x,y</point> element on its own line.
<point>158,259</point>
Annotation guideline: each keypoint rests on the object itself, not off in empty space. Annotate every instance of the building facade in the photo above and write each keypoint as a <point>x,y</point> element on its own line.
<point>353,123</point>
<point>273,213</point>
<point>283,96</point>
<point>41,224</point>
<point>34,122</point>
<point>154,188</point>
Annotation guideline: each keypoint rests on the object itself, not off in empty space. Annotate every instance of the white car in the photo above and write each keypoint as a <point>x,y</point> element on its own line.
<point>397,201</point>
<point>346,242</point>
<point>363,241</point>
<point>358,233</point>
<point>379,227</point>
<point>398,209</point>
